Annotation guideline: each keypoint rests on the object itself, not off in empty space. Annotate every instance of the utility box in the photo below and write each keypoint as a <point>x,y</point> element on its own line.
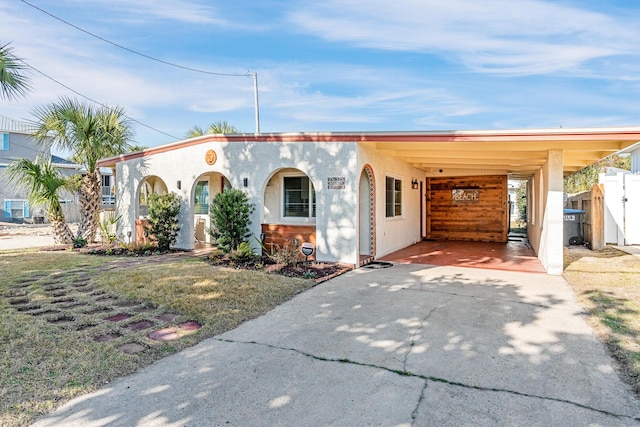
<point>573,227</point>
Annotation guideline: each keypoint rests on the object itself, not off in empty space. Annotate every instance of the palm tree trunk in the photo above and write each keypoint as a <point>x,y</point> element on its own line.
<point>90,201</point>
<point>61,232</point>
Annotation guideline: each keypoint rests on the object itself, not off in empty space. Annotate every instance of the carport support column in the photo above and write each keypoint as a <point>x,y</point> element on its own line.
<point>551,255</point>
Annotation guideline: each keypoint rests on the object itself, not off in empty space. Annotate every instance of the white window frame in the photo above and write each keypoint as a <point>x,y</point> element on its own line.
<point>4,141</point>
<point>107,191</point>
<point>297,219</point>
<point>208,196</point>
<point>25,209</point>
<point>395,178</point>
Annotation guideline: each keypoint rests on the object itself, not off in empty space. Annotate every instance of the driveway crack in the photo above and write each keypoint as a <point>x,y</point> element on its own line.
<point>414,414</point>
<point>418,330</point>
<point>428,378</point>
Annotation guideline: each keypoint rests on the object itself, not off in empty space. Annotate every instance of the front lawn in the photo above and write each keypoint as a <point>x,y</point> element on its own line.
<point>70,323</point>
<point>607,284</point>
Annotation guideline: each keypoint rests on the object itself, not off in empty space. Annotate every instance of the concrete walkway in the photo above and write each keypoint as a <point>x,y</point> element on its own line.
<point>406,345</point>
<point>24,242</point>
<point>631,250</point>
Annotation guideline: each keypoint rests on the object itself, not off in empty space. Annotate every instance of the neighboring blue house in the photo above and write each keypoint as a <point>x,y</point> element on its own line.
<point>16,142</point>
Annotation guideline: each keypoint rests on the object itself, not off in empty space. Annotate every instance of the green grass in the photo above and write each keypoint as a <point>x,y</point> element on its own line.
<point>54,304</point>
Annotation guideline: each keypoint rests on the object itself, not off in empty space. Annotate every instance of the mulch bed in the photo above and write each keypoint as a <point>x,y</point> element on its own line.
<point>319,271</point>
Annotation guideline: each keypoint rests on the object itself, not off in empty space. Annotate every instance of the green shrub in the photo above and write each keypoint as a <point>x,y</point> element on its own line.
<point>243,252</point>
<point>79,242</point>
<point>108,228</point>
<point>229,213</point>
<point>163,218</point>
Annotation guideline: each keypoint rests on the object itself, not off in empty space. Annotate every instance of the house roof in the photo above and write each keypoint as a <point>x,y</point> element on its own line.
<point>634,148</point>
<point>64,163</point>
<point>15,126</point>
<point>519,153</point>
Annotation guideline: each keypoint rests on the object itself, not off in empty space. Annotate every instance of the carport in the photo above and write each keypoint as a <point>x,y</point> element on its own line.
<point>541,157</point>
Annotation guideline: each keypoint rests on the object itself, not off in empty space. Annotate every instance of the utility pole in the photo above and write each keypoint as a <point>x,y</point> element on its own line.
<point>255,89</point>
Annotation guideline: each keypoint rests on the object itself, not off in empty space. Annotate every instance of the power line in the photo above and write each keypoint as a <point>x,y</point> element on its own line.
<point>131,50</point>
<point>96,102</point>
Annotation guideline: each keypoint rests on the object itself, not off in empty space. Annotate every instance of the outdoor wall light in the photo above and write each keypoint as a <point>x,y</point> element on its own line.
<point>179,185</point>
<point>414,184</point>
<point>245,182</point>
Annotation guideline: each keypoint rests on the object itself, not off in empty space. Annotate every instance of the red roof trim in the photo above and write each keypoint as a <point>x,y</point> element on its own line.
<point>596,134</point>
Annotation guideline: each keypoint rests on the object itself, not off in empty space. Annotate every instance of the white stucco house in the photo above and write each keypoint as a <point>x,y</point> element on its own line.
<point>362,195</point>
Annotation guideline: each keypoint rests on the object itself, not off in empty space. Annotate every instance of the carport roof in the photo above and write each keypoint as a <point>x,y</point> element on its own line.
<point>519,153</point>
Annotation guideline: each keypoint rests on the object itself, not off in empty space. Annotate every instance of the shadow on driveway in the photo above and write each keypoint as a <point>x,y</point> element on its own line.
<point>406,345</point>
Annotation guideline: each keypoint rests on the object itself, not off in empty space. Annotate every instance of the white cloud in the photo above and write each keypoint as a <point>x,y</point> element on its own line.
<point>314,96</point>
<point>325,93</point>
<point>498,36</point>
<point>186,11</point>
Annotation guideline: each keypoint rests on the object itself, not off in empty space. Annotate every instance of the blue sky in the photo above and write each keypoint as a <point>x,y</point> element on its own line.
<point>347,65</point>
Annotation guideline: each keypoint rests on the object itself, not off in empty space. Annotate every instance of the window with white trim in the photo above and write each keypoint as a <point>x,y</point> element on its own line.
<point>16,208</point>
<point>299,197</point>
<point>107,190</point>
<point>393,197</point>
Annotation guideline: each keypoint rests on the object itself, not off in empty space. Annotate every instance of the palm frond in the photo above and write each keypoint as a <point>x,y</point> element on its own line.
<point>194,132</point>
<point>220,127</point>
<point>40,179</point>
<point>13,83</point>
<point>89,132</point>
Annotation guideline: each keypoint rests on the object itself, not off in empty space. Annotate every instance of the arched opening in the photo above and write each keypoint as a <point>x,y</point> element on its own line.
<point>150,185</point>
<point>204,189</point>
<point>366,215</point>
<point>289,211</point>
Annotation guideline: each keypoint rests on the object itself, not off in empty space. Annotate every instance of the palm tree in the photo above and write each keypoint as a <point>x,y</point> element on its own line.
<point>90,133</point>
<point>12,82</point>
<point>43,181</point>
<point>137,147</point>
<point>214,128</point>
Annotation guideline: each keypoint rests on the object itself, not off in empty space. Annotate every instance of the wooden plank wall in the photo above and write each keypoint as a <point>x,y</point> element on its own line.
<point>142,235</point>
<point>592,203</point>
<point>597,217</point>
<point>483,220</point>
<point>277,235</point>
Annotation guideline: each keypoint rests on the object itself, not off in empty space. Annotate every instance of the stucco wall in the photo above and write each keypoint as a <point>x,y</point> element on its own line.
<point>545,222</point>
<point>273,200</point>
<point>257,162</point>
<point>393,234</point>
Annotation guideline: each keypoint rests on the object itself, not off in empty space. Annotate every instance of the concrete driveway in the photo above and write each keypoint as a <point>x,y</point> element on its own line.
<point>406,345</point>
<point>24,242</point>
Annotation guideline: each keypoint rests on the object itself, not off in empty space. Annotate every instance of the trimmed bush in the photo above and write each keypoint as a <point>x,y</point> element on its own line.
<point>229,213</point>
<point>163,218</point>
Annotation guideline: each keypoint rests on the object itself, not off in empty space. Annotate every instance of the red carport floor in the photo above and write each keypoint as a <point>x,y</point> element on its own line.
<point>512,256</point>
